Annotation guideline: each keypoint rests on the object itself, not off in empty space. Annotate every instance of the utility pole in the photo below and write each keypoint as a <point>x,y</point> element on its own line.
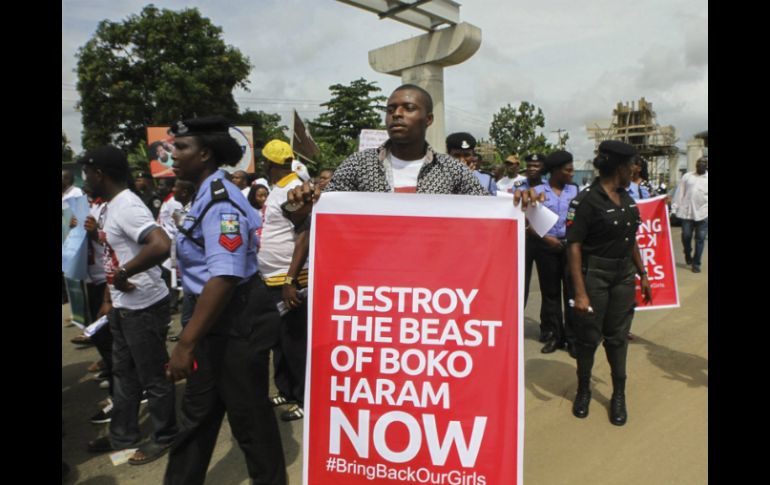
<point>561,140</point>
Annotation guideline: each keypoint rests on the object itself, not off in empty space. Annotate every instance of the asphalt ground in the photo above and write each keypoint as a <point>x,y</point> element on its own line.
<point>664,442</point>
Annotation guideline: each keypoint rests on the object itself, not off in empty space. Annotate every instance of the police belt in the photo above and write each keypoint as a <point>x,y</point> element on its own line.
<point>241,288</point>
<point>607,264</point>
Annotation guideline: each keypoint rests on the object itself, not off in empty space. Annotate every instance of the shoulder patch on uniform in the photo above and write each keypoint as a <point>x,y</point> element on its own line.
<point>229,224</point>
<point>570,216</point>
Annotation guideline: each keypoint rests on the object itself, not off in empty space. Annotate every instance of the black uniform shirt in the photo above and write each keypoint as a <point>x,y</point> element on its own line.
<point>604,229</point>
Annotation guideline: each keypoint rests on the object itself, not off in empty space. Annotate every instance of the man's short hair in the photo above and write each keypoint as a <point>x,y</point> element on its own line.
<point>425,94</point>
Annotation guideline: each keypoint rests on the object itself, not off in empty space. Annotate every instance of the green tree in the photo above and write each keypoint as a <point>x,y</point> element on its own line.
<point>351,109</point>
<point>138,159</point>
<point>266,126</point>
<point>515,130</point>
<point>66,150</point>
<point>153,69</point>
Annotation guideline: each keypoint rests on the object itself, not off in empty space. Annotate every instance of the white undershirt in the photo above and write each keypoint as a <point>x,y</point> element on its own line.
<point>405,173</point>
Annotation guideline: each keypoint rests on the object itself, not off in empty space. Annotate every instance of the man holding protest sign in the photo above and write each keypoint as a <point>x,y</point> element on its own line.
<point>409,374</point>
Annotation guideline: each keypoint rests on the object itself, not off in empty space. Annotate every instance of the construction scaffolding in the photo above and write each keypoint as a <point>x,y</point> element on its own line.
<point>638,126</point>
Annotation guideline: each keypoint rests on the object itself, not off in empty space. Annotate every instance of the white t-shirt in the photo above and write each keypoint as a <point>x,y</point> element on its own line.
<point>126,221</point>
<point>96,274</point>
<point>70,193</point>
<point>166,221</point>
<point>278,236</point>
<point>505,184</point>
<point>691,201</point>
<point>405,173</point>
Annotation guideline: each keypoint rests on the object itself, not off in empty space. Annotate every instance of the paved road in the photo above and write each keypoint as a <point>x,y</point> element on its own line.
<point>664,442</point>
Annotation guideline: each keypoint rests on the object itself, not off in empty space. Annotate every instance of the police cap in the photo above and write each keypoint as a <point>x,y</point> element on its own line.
<point>460,141</point>
<point>534,157</point>
<point>207,125</point>
<point>616,149</point>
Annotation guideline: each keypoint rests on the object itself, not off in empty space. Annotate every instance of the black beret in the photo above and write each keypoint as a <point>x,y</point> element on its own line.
<point>460,141</point>
<point>534,157</point>
<point>105,157</point>
<point>558,158</point>
<point>616,149</point>
<point>208,125</point>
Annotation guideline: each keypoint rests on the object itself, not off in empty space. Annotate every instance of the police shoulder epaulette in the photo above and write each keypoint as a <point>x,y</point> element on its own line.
<point>218,190</point>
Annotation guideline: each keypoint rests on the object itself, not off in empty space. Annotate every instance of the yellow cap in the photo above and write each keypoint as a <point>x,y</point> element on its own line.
<point>513,159</point>
<point>277,151</point>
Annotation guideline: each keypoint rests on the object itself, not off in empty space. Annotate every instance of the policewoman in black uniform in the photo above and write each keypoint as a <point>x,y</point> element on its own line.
<point>223,350</point>
<point>603,261</point>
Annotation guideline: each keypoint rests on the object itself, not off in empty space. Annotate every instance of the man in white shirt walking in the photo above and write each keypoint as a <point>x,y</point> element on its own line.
<point>137,304</point>
<point>691,205</point>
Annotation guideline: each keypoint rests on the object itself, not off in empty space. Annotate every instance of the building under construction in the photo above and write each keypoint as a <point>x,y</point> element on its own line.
<point>637,126</point>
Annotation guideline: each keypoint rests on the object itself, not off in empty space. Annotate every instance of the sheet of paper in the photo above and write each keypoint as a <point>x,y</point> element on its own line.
<point>541,218</point>
<point>122,456</point>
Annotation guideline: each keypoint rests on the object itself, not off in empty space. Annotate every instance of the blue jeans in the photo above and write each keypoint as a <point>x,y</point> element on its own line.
<point>138,358</point>
<point>701,229</point>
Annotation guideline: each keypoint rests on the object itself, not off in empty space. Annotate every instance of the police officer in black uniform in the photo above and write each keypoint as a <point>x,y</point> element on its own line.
<point>145,186</point>
<point>532,241</point>
<point>224,348</point>
<point>603,261</point>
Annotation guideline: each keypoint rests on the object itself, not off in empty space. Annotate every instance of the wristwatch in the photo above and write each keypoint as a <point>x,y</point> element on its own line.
<point>289,280</point>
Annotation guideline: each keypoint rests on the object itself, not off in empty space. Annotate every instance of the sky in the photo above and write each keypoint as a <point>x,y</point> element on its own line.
<point>575,60</point>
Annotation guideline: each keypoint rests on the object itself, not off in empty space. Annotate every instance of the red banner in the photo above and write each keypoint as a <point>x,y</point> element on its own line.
<point>657,250</point>
<point>415,356</point>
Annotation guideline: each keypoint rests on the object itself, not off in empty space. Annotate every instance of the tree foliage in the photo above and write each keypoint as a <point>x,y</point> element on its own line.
<point>351,109</point>
<point>153,69</point>
<point>266,126</point>
<point>515,130</point>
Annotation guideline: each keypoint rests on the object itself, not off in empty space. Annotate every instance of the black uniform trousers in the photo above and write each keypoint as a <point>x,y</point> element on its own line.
<point>556,290</point>
<point>611,288</point>
<point>290,353</point>
<point>531,248</point>
<point>232,378</point>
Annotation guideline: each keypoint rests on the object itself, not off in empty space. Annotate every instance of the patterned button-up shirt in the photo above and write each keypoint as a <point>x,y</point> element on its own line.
<point>370,171</point>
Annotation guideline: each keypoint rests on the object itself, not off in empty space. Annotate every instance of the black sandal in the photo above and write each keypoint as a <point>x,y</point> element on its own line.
<point>151,451</point>
<point>100,445</point>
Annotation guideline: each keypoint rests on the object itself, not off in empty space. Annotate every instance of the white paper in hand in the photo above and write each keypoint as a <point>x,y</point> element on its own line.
<point>94,327</point>
<point>541,218</point>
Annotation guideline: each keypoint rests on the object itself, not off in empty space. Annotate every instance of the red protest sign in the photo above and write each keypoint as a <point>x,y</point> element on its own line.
<point>415,368</point>
<point>657,251</point>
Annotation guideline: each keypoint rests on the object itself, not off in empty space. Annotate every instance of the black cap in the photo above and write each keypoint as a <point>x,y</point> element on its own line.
<point>534,157</point>
<point>616,149</point>
<point>105,157</point>
<point>460,141</point>
<point>207,125</point>
<point>556,160</point>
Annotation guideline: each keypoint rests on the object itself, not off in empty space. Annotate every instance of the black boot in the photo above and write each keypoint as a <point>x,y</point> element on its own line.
<point>618,414</point>
<point>583,397</point>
